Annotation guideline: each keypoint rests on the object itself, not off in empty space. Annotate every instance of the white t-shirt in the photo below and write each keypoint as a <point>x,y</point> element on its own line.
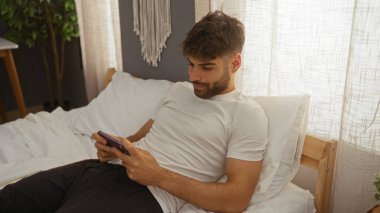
<point>194,136</point>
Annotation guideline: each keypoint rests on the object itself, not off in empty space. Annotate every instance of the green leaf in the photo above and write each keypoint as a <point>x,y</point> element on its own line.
<point>32,11</point>
<point>73,18</point>
<point>377,185</point>
<point>4,9</point>
<point>18,25</point>
<point>69,5</point>
<point>29,43</point>
<point>34,35</point>
<point>57,17</point>
<point>26,21</point>
<point>11,11</point>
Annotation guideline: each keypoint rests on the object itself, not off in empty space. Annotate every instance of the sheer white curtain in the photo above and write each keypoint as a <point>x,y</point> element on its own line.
<point>329,49</point>
<point>100,41</point>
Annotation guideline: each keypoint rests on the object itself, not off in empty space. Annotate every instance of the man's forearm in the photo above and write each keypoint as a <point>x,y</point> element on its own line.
<point>133,138</point>
<point>141,132</point>
<point>219,197</point>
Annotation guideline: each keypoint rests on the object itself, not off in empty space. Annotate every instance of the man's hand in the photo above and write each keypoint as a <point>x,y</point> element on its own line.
<point>140,165</point>
<point>104,152</point>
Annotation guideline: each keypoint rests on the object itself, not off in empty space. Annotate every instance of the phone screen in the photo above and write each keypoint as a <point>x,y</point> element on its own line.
<point>113,142</point>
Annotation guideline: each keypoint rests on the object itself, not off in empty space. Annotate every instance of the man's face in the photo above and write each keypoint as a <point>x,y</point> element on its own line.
<point>209,77</point>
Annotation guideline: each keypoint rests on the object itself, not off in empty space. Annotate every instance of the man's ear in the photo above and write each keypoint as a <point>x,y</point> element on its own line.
<point>236,62</point>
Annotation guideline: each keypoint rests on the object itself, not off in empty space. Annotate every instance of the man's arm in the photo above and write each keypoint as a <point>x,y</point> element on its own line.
<point>231,196</point>
<point>141,132</point>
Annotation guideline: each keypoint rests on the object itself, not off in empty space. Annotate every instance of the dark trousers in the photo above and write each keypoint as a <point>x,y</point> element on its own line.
<point>85,186</point>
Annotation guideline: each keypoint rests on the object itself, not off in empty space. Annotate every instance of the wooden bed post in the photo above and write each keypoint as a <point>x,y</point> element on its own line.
<point>320,155</point>
<point>108,76</point>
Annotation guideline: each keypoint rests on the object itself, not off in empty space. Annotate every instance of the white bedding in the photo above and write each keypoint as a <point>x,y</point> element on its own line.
<point>292,199</point>
<point>39,142</point>
<point>46,140</point>
<point>42,141</point>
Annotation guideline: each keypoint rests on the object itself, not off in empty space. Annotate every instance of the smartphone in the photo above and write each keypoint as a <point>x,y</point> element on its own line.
<point>113,142</point>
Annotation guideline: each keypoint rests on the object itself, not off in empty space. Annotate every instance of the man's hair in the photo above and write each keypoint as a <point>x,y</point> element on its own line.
<point>215,35</point>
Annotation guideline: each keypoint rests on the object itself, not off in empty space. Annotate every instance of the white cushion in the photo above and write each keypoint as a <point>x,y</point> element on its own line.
<point>287,121</point>
<point>122,107</point>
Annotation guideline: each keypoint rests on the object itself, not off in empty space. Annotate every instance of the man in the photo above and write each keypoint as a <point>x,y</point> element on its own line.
<point>199,133</point>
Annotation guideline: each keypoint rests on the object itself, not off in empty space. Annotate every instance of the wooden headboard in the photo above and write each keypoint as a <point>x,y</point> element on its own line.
<point>316,154</point>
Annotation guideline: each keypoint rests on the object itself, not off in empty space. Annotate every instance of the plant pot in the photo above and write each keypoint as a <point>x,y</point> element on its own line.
<point>49,108</point>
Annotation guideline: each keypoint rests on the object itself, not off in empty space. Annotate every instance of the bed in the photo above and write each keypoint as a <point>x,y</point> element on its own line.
<point>45,140</point>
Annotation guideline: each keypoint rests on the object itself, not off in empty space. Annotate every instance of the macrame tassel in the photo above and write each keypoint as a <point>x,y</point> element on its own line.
<point>152,22</point>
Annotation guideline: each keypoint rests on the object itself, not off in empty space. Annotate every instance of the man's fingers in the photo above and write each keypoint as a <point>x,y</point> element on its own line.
<point>133,151</point>
<point>118,154</point>
<point>98,138</point>
<point>125,158</point>
<point>104,157</point>
<point>105,154</point>
<point>102,147</point>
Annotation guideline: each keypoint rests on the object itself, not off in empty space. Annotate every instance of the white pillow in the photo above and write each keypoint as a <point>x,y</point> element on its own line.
<point>287,121</point>
<point>122,107</point>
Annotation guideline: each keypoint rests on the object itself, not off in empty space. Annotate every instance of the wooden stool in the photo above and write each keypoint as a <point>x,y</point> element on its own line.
<point>6,53</point>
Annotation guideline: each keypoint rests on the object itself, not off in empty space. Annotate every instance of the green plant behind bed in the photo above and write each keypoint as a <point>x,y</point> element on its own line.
<point>47,24</point>
<point>377,185</point>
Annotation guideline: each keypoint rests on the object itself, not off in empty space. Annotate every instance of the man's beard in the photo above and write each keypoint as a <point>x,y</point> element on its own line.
<point>215,88</point>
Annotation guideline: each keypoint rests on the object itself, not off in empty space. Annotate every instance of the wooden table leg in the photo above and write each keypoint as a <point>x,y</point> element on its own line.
<point>12,73</point>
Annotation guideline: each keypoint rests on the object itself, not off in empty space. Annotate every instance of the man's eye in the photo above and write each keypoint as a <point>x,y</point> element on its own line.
<point>207,68</point>
<point>190,65</point>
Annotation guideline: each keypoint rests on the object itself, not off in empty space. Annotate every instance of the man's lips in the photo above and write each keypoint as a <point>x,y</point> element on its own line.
<point>199,86</point>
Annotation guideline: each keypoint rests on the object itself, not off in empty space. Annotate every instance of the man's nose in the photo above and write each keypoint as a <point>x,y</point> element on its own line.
<point>195,74</point>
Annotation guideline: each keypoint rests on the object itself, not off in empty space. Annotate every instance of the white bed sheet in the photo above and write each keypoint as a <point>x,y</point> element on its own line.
<point>46,140</point>
<point>39,142</point>
<point>292,199</point>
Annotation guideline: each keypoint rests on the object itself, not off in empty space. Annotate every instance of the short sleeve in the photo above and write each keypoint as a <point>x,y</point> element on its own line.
<point>161,103</point>
<point>164,99</point>
<point>249,135</point>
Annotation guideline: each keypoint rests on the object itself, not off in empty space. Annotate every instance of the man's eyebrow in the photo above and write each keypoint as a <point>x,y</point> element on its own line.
<point>203,64</point>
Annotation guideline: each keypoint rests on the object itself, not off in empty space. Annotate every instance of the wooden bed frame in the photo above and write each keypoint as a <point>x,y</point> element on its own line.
<point>316,154</point>
<point>320,155</point>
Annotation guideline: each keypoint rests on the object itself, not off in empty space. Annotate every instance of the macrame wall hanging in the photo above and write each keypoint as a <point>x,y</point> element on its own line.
<point>151,21</point>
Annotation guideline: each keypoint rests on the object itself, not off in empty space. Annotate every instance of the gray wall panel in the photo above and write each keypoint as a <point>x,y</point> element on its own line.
<point>172,66</point>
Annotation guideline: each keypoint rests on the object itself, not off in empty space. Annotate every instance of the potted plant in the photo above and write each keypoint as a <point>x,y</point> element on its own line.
<point>376,208</point>
<point>48,25</point>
